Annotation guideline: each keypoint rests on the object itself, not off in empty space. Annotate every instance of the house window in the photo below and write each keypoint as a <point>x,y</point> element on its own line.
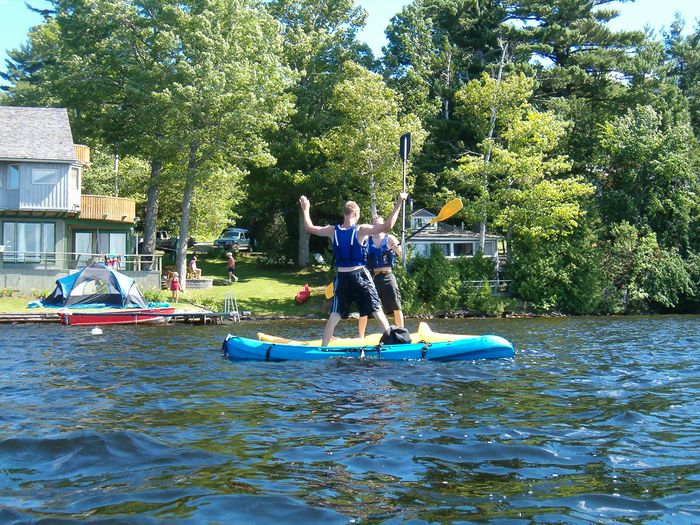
<point>111,243</point>
<point>421,249</point>
<point>463,249</point>
<point>44,176</point>
<point>29,241</point>
<point>418,222</point>
<point>443,247</point>
<point>13,176</point>
<point>490,248</point>
<point>75,178</point>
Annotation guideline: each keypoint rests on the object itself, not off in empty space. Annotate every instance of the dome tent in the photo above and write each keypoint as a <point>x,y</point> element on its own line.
<point>95,286</point>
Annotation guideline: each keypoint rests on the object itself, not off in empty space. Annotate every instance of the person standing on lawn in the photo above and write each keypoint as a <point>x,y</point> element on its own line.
<point>382,251</point>
<point>231,265</point>
<point>353,283</point>
<point>175,287</point>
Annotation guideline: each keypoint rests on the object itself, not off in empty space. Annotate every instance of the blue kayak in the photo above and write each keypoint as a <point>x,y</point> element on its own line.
<point>468,348</point>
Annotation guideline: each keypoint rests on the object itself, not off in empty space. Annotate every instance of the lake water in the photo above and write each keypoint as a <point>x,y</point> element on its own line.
<point>593,421</point>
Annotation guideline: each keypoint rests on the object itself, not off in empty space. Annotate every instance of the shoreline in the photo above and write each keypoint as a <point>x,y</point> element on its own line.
<point>53,317</point>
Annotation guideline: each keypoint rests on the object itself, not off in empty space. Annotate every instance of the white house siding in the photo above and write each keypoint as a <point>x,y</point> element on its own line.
<point>44,196</point>
<point>423,248</point>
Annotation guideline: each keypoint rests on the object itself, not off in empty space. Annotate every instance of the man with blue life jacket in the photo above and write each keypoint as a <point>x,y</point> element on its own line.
<point>353,282</point>
<point>382,250</point>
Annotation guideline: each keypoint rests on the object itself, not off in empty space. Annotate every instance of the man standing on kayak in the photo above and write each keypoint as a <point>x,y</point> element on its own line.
<point>353,282</point>
<point>382,251</point>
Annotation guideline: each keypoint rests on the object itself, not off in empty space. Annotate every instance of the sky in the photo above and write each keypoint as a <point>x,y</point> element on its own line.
<point>16,19</point>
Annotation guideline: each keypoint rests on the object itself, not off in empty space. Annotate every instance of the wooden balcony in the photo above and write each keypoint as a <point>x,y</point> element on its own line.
<point>103,208</point>
<point>82,154</point>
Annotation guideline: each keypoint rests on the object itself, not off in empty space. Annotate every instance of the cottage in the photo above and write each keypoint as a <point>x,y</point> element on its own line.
<point>454,242</point>
<point>47,226</point>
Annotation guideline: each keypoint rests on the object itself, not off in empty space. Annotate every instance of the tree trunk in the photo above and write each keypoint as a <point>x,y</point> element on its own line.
<point>186,210</point>
<point>487,157</point>
<point>303,255</point>
<point>372,197</point>
<point>151,219</point>
<point>509,242</point>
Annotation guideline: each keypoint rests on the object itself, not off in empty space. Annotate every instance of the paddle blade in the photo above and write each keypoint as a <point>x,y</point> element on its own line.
<point>448,210</point>
<point>329,291</point>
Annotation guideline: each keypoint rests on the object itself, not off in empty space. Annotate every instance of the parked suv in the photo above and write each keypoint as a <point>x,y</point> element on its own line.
<point>235,239</point>
<point>164,241</point>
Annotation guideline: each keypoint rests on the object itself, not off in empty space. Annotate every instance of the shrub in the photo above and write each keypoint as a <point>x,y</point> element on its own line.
<point>40,294</point>
<point>216,252</point>
<point>483,301</point>
<point>274,238</point>
<point>210,303</point>
<point>156,296</point>
<point>274,260</point>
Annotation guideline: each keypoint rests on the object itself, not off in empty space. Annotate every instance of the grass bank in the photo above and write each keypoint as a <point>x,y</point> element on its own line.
<point>262,290</point>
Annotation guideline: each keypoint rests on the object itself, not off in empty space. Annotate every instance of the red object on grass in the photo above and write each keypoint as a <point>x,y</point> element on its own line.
<point>303,294</point>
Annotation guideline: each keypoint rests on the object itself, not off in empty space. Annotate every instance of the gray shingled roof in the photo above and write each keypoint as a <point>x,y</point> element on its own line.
<point>423,213</point>
<point>35,134</point>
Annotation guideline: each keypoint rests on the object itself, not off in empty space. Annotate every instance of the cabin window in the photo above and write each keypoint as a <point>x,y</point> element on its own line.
<point>111,243</point>
<point>462,249</point>
<point>29,241</point>
<point>13,176</point>
<point>442,247</point>
<point>490,248</point>
<point>44,176</point>
<point>421,249</point>
<point>418,222</point>
<point>75,178</point>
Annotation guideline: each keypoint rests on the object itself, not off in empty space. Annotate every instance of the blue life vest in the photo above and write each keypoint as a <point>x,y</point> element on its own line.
<point>348,251</point>
<point>380,256</point>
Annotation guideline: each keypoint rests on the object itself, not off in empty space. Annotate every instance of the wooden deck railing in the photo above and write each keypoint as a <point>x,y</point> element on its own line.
<point>104,208</point>
<point>73,261</point>
<point>82,153</point>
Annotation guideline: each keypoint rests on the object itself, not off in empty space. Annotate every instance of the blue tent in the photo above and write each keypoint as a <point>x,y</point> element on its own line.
<point>96,285</point>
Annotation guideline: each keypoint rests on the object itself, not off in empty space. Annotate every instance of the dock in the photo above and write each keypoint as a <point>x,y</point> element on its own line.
<point>198,317</point>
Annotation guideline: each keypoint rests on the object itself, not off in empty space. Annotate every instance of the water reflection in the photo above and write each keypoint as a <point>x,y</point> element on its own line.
<point>594,421</point>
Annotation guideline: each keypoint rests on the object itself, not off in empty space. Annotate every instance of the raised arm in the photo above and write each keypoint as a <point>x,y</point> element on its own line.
<point>321,231</point>
<point>394,245</point>
<point>388,224</point>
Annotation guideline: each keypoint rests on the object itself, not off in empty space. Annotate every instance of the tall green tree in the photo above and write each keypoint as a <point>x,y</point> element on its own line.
<point>319,37</point>
<point>645,175</point>
<point>362,148</point>
<point>228,91</point>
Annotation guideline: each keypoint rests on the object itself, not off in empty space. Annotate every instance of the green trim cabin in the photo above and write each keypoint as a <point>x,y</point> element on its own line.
<point>48,228</point>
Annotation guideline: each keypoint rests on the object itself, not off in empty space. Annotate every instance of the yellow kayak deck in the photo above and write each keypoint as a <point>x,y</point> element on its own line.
<point>424,334</point>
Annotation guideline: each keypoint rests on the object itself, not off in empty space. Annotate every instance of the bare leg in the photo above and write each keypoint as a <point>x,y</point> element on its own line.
<point>379,316</point>
<point>362,326</point>
<point>330,328</point>
<point>398,318</point>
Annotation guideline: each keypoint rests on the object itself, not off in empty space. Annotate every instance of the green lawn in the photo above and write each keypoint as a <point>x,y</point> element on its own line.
<point>264,291</point>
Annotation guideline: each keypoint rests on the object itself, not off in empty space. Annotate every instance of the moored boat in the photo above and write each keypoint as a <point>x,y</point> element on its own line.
<point>126,316</point>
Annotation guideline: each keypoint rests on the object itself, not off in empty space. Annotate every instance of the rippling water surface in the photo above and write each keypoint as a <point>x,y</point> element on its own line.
<point>593,421</point>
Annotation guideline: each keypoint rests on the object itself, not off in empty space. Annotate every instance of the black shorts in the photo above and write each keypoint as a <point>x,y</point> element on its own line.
<point>388,291</point>
<point>355,287</point>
